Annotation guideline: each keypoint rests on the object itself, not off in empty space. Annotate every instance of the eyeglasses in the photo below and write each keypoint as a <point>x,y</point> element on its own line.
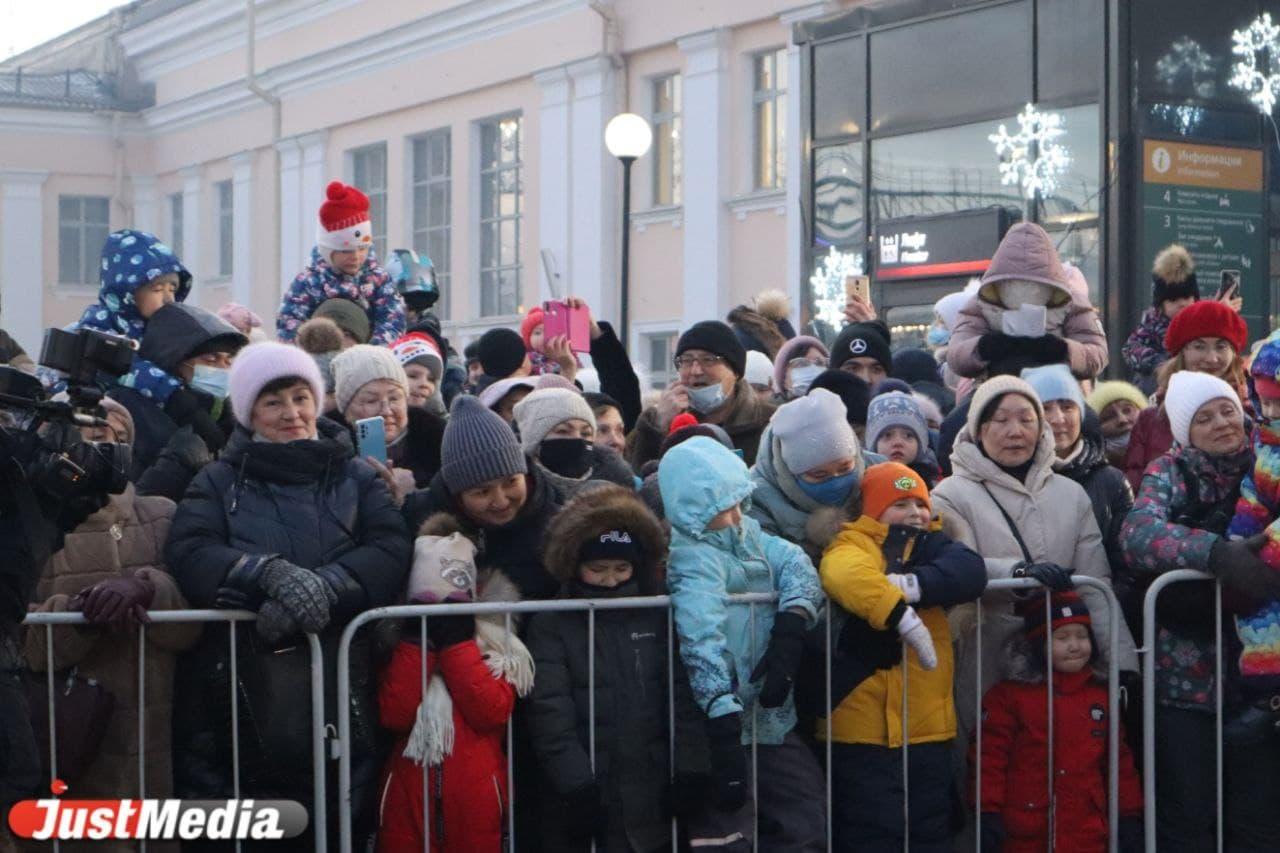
<point>706,362</point>
<point>816,361</point>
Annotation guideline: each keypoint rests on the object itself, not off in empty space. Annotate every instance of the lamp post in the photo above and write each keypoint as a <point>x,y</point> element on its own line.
<point>628,137</point>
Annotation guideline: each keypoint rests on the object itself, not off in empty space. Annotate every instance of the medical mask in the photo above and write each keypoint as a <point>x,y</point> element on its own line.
<point>1118,444</point>
<point>213,381</point>
<point>568,457</point>
<point>707,398</point>
<point>833,492</point>
<point>802,378</point>
<point>938,336</point>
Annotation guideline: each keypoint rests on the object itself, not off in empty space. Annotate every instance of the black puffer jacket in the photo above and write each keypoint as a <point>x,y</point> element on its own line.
<point>631,696</point>
<point>515,548</point>
<point>314,504</point>
<point>418,450</point>
<point>1108,491</point>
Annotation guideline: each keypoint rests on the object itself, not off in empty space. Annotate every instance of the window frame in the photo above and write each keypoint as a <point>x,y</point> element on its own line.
<point>224,226</point>
<point>379,196</point>
<point>777,98</point>
<point>492,276</point>
<point>87,235</point>
<point>422,234</point>
<point>668,123</point>
<point>177,222</point>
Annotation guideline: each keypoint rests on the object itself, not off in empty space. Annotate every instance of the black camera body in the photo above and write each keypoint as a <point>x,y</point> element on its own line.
<point>42,435</point>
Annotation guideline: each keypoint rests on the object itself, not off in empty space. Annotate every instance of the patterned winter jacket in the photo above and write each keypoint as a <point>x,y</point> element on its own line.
<point>720,642</point>
<point>1258,511</point>
<point>371,288</point>
<point>1174,524</point>
<point>130,259</point>
<point>1144,350</point>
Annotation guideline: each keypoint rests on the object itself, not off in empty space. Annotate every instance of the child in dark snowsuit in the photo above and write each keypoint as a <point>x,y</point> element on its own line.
<point>1173,287</point>
<point>606,544</point>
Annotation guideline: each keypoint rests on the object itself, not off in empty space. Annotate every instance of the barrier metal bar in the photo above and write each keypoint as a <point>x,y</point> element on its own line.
<point>231,618</point>
<point>505,609</point>
<point>1149,703</point>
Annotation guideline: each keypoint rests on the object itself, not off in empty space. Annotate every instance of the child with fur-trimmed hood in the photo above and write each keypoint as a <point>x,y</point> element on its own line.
<point>1173,287</point>
<point>1015,801</point>
<point>475,668</point>
<point>1029,311</point>
<point>606,544</point>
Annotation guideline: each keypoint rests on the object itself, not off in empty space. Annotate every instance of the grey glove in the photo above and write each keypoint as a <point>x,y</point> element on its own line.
<point>302,593</point>
<point>273,622</point>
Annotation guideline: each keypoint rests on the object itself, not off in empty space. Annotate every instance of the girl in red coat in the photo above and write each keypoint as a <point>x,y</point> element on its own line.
<point>1015,738</point>
<point>475,670</point>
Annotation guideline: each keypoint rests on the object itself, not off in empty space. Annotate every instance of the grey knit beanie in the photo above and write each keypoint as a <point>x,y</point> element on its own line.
<point>544,410</point>
<point>813,430</point>
<point>478,446</point>
<point>359,365</point>
<point>896,409</point>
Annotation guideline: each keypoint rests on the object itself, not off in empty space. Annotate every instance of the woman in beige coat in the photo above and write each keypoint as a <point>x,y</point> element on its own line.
<point>1005,454</point>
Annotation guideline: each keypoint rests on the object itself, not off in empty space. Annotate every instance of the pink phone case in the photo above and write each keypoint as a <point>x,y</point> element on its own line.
<point>560,319</point>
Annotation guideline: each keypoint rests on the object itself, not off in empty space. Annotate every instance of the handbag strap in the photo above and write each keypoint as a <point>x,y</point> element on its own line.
<point>1013,528</point>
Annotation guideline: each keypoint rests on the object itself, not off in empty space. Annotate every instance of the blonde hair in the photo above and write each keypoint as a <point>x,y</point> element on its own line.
<point>1234,375</point>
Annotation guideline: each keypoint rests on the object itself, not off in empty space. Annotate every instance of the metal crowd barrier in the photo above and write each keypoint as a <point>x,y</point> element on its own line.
<point>232,618</point>
<point>508,610</point>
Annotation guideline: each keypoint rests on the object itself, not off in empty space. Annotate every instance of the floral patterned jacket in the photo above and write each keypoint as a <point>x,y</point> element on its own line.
<point>371,288</point>
<point>1144,350</point>
<point>1186,495</point>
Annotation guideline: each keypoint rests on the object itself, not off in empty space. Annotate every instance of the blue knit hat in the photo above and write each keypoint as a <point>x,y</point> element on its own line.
<point>1054,382</point>
<point>478,446</point>
<point>895,409</point>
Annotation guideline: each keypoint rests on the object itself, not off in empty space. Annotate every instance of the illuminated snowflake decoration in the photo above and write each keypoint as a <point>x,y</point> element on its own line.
<point>1032,157</point>
<point>1257,66</point>
<point>827,285</point>
<point>1186,56</point>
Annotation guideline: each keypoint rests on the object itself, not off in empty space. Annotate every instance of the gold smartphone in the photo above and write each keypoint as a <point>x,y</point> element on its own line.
<point>859,286</point>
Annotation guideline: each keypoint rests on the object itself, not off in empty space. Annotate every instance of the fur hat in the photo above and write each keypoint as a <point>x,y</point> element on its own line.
<point>589,516</point>
<point>1206,319</point>
<point>322,338</point>
<point>1188,391</point>
<point>1173,276</point>
<point>258,365</point>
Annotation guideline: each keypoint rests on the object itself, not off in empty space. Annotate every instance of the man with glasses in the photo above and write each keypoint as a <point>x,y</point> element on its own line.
<point>711,364</point>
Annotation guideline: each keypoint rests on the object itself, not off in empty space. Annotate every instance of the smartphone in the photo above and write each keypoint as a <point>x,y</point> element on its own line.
<point>1230,286</point>
<point>859,286</point>
<point>574,323</point>
<point>371,438</point>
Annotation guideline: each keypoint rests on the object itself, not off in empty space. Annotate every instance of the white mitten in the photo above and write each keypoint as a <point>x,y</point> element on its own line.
<point>914,633</point>
<point>909,584</point>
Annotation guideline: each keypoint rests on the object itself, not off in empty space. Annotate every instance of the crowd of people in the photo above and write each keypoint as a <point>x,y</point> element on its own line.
<point>872,490</point>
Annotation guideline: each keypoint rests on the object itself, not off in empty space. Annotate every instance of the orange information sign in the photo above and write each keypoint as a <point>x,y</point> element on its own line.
<point>1201,165</point>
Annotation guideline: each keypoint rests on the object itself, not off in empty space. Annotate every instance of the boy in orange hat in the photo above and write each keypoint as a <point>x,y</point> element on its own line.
<point>893,571</point>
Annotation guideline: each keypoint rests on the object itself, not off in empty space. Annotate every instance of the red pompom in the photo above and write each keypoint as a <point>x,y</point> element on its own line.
<point>681,421</point>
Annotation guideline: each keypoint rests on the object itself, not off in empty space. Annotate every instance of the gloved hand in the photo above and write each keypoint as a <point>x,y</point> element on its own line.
<point>585,814</point>
<point>302,593</point>
<point>1046,349</point>
<point>1055,577</point>
<point>1238,566</point>
<point>908,583</point>
<point>914,633</point>
<point>728,762</point>
<point>190,408</point>
<point>274,623</point>
<point>781,659</point>
<point>995,346</point>
<point>445,631</point>
<point>117,601</point>
<point>993,833</point>
<point>687,794</point>
<point>1131,834</point>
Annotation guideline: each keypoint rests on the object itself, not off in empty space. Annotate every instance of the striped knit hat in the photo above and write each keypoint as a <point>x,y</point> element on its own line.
<point>477,447</point>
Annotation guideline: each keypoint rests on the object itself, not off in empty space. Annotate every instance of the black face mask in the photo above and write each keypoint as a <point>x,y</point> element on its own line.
<point>629,589</point>
<point>568,457</point>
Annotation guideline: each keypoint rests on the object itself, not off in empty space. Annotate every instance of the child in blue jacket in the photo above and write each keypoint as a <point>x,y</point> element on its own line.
<point>741,668</point>
<point>344,266</point>
<point>138,275</point>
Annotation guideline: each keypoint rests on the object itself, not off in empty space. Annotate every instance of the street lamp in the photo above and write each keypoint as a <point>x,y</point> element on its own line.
<point>628,137</point>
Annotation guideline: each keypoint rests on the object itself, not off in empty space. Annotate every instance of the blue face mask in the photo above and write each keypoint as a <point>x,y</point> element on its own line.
<point>833,492</point>
<point>706,399</point>
<point>213,381</point>
<point>938,336</point>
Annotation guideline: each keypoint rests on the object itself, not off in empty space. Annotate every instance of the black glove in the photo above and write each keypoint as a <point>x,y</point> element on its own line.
<point>1046,349</point>
<point>1237,564</point>
<point>445,631</point>
<point>118,600</point>
<point>1131,835</point>
<point>301,592</point>
<point>1055,577</point>
<point>729,762</point>
<point>781,659</point>
<point>274,623</point>
<point>996,346</point>
<point>687,794</point>
<point>189,407</point>
<point>992,832</point>
<point>585,815</point>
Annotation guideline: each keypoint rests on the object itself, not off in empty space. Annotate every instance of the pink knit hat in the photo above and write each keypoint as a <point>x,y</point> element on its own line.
<point>258,365</point>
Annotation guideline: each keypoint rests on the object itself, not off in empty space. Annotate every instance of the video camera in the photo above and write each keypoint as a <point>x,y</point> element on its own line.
<point>43,435</point>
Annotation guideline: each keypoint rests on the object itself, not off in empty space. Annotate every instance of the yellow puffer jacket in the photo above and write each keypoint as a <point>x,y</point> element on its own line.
<point>853,574</point>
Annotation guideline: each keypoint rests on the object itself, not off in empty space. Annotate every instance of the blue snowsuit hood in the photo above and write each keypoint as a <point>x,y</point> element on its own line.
<point>131,259</point>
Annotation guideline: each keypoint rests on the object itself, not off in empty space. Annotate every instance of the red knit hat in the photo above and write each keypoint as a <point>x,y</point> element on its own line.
<point>1065,608</point>
<point>1207,318</point>
<point>532,320</point>
<point>344,224</point>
